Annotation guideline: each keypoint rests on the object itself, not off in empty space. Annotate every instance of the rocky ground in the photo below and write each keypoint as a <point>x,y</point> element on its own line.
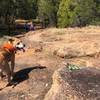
<point>46,51</point>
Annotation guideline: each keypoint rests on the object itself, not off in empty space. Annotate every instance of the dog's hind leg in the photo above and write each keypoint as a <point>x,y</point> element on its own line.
<point>12,64</point>
<point>1,74</point>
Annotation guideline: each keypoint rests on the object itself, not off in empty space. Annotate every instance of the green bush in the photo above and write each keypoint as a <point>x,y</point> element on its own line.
<point>76,12</point>
<point>95,21</point>
<point>65,13</point>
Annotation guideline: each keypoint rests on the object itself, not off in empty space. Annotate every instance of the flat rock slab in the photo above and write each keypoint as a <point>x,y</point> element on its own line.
<point>82,84</point>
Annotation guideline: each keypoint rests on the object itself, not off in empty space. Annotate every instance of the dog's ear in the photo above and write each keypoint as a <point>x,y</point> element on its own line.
<point>11,40</point>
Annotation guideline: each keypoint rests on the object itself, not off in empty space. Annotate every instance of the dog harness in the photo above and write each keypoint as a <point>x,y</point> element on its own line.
<point>9,47</point>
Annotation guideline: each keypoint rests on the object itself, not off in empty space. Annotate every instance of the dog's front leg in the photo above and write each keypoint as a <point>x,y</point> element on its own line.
<point>12,64</point>
<point>7,70</point>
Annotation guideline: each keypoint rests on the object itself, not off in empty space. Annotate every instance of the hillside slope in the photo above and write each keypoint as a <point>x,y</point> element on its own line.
<point>46,50</point>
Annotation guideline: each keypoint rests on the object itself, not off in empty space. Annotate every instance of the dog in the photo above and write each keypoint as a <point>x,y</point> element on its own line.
<point>7,56</point>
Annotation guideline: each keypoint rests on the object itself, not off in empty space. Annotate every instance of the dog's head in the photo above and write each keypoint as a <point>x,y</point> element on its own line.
<point>17,43</point>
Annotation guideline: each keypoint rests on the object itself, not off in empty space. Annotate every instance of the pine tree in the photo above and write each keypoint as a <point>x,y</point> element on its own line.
<point>84,12</point>
<point>76,12</point>
<point>96,20</point>
<point>47,10</point>
<point>65,13</point>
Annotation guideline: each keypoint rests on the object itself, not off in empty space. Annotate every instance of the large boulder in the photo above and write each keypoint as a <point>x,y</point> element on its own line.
<point>77,49</point>
<point>80,84</point>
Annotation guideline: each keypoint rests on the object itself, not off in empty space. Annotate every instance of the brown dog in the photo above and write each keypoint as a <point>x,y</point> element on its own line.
<point>7,54</point>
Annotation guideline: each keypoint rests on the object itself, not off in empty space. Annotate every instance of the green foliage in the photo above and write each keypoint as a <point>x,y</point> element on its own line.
<point>7,13</point>
<point>72,67</point>
<point>12,9</point>
<point>47,9</point>
<point>96,20</point>
<point>61,13</point>
<point>26,9</point>
<point>84,12</point>
<point>76,12</point>
<point>65,13</point>
<point>44,10</point>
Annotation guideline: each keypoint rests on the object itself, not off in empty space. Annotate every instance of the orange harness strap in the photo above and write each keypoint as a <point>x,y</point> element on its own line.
<point>9,47</point>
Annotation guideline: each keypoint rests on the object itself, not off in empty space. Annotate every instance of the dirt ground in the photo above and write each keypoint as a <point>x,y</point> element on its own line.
<point>34,68</point>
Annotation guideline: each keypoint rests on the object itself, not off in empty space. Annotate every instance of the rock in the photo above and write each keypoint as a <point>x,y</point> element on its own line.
<point>72,50</point>
<point>69,53</point>
<point>93,62</point>
<point>82,84</point>
<point>65,43</point>
<point>38,49</point>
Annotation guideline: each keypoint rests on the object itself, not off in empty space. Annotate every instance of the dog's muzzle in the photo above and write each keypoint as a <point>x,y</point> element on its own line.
<point>20,46</point>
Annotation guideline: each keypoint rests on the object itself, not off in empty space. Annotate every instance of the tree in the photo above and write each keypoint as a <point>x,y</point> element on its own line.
<point>12,9</point>
<point>26,9</point>
<point>84,12</point>
<point>96,19</point>
<point>55,4</point>
<point>7,12</point>
<point>76,12</point>
<point>65,13</point>
<point>47,11</point>
<point>44,9</point>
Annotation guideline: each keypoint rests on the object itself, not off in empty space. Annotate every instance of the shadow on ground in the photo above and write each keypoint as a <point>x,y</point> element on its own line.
<point>23,74</point>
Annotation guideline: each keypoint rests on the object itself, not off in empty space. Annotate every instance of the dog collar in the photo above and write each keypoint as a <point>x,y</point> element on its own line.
<point>9,47</point>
